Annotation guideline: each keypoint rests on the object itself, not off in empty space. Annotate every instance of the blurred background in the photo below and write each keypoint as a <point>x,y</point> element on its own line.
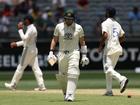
<point>89,14</point>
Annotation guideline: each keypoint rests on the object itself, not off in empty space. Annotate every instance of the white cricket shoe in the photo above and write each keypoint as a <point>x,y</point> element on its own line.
<point>10,86</point>
<point>69,98</point>
<point>40,89</point>
<point>123,84</point>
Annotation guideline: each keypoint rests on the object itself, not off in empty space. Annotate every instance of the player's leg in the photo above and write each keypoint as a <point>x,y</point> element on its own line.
<point>62,79</point>
<point>38,74</point>
<point>71,87</point>
<point>116,75</point>
<point>62,75</point>
<point>122,79</point>
<point>108,77</point>
<point>111,62</point>
<point>73,75</point>
<point>24,61</point>
<point>17,76</point>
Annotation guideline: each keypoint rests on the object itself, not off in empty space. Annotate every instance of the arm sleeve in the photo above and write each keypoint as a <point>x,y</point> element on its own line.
<point>20,43</point>
<point>84,49</point>
<point>122,32</point>
<point>56,31</point>
<point>81,32</point>
<point>24,36</point>
<point>104,28</point>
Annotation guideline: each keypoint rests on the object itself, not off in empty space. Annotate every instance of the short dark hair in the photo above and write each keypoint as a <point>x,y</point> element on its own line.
<point>30,18</point>
<point>110,12</point>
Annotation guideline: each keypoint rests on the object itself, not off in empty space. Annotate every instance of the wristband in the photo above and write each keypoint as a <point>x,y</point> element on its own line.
<point>84,49</point>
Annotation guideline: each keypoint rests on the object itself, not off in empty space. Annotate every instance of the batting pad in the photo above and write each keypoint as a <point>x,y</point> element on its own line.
<point>62,79</point>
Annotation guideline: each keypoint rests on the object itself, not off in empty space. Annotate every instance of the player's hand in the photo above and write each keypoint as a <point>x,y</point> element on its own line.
<point>20,25</point>
<point>99,49</point>
<point>13,45</point>
<point>84,60</point>
<point>52,59</point>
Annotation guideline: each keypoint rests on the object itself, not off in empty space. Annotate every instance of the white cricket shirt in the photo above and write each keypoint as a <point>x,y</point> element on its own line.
<point>29,38</point>
<point>114,30</point>
<point>68,36</point>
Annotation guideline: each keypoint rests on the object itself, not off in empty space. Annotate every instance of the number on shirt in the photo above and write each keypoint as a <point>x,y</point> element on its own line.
<point>115,32</point>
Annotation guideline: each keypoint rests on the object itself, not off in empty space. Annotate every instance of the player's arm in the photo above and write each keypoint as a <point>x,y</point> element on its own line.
<point>24,36</point>
<point>20,43</point>
<point>122,39</point>
<point>21,33</point>
<point>53,43</point>
<point>122,36</point>
<point>102,41</point>
<point>83,45</point>
<point>16,44</point>
<point>84,59</point>
<point>52,59</point>
<point>82,41</point>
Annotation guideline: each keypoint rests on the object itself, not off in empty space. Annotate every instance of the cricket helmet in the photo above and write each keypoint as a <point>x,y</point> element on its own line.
<point>69,14</point>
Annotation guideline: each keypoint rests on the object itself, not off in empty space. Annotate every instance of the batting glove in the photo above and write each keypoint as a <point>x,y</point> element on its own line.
<point>51,56</point>
<point>84,60</point>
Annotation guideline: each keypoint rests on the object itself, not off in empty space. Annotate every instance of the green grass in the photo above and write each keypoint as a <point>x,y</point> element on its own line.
<point>31,98</point>
<point>87,80</point>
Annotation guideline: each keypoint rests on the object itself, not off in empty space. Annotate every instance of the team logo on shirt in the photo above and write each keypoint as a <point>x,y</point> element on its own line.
<point>68,36</point>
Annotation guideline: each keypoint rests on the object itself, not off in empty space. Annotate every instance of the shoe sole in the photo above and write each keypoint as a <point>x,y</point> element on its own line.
<point>123,89</point>
<point>39,89</point>
<point>108,95</point>
<point>69,100</point>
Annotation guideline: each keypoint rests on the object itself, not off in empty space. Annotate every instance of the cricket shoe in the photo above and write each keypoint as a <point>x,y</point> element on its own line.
<point>40,89</point>
<point>69,98</point>
<point>108,93</point>
<point>10,86</point>
<point>123,85</point>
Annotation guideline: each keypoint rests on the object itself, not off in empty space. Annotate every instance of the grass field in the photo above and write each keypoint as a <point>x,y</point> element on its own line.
<point>91,86</point>
<point>54,97</point>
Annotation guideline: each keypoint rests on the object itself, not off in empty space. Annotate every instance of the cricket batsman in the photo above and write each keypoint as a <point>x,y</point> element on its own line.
<point>69,34</point>
<point>29,54</point>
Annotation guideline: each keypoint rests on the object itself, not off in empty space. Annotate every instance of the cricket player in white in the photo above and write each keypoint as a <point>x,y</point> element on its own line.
<point>69,34</point>
<point>29,54</point>
<point>112,36</point>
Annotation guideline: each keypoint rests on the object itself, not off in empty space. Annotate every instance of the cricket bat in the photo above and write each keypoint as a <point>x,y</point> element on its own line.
<point>52,61</point>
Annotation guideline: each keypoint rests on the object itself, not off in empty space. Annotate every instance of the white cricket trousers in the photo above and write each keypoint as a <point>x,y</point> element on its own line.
<point>109,63</point>
<point>69,67</point>
<point>29,57</point>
